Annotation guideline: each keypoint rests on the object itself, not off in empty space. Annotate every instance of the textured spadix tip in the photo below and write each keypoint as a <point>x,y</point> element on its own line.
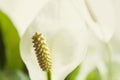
<point>42,53</point>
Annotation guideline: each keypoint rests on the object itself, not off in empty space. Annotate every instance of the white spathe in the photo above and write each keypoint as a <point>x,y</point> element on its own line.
<point>96,55</point>
<point>66,36</point>
<point>22,12</point>
<point>100,10</point>
<point>105,13</point>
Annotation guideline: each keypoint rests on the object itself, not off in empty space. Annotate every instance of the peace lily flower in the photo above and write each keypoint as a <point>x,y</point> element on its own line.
<point>99,15</point>
<point>97,56</point>
<point>64,33</point>
<point>21,12</point>
<point>100,18</point>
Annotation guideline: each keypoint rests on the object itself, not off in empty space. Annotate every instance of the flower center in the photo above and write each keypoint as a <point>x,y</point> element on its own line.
<point>42,52</point>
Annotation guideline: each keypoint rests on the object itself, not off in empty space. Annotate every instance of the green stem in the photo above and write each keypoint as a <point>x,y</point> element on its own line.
<point>109,61</point>
<point>49,75</point>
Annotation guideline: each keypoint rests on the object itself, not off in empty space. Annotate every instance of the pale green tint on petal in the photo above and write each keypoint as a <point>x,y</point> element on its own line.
<point>92,61</point>
<point>22,12</point>
<point>116,67</point>
<point>115,43</point>
<point>65,33</point>
<point>96,55</point>
<point>99,16</point>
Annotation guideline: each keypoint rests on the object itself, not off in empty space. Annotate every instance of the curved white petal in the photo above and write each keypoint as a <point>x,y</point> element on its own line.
<point>22,12</point>
<point>92,61</point>
<point>99,16</point>
<point>95,58</point>
<point>65,34</point>
<point>105,13</point>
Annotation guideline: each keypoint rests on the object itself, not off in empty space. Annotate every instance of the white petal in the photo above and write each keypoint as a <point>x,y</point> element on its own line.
<point>65,34</point>
<point>95,58</point>
<point>92,61</point>
<point>22,12</point>
<point>103,11</point>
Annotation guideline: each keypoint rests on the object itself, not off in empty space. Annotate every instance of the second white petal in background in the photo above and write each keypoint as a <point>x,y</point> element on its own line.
<point>99,16</point>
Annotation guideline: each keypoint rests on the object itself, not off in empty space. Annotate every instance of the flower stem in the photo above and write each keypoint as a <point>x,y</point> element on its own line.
<point>109,53</point>
<point>49,75</point>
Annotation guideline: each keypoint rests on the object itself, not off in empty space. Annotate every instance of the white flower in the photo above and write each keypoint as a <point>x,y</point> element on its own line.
<point>100,18</point>
<point>66,36</point>
<point>101,53</point>
<point>21,12</point>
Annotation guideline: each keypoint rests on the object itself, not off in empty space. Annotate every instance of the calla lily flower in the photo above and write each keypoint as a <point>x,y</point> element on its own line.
<point>65,34</point>
<point>21,12</point>
<point>99,15</point>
